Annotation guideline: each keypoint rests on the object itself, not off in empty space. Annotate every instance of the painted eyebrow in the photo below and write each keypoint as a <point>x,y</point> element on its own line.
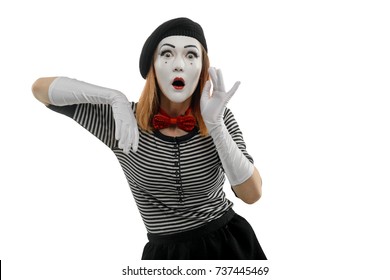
<point>191,46</point>
<point>169,45</point>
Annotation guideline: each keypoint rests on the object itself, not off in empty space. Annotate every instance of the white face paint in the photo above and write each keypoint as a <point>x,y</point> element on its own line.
<point>178,65</point>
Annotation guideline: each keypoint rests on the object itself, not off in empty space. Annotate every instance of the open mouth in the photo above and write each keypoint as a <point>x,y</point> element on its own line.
<point>178,83</point>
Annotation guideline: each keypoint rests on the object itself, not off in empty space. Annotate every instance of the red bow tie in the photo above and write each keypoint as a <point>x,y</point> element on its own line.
<point>163,120</point>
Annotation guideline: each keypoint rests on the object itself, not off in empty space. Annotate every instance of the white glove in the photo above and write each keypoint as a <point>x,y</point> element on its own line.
<point>237,167</point>
<point>65,91</point>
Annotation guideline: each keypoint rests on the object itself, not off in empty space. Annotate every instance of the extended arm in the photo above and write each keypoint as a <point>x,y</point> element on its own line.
<point>62,91</point>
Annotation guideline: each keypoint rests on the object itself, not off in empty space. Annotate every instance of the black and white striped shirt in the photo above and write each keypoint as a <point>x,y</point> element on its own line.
<point>177,182</point>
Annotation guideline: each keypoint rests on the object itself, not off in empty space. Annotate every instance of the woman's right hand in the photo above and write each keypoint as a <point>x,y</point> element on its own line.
<point>126,128</point>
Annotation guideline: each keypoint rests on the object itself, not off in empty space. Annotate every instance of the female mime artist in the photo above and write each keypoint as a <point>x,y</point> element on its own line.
<point>175,146</point>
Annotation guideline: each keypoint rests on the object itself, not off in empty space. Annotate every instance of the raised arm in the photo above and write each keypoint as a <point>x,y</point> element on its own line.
<point>242,174</point>
<point>62,91</point>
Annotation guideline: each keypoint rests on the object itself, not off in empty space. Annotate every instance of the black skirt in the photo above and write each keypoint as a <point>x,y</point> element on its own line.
<point>230,237</point>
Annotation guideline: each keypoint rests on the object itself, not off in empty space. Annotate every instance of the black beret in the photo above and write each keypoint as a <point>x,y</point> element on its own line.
<point>178,26</point>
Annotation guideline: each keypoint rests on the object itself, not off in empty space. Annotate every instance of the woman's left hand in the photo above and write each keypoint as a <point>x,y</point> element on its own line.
<point>212,106</point>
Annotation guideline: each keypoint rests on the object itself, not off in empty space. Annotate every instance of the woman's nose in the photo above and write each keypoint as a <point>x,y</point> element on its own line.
<point>178,66</point>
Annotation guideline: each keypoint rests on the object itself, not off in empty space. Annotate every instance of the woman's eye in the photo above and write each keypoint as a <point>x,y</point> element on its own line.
<point>166,54</point>
<point>192,55</point>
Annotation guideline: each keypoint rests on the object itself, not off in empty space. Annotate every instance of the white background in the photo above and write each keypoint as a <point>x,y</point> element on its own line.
<point>313,106</point>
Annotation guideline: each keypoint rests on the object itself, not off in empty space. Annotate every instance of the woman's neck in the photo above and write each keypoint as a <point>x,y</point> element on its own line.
<point>174,109</point>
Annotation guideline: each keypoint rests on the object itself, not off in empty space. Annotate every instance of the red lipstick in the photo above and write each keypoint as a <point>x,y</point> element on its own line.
<point>178,83</point>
